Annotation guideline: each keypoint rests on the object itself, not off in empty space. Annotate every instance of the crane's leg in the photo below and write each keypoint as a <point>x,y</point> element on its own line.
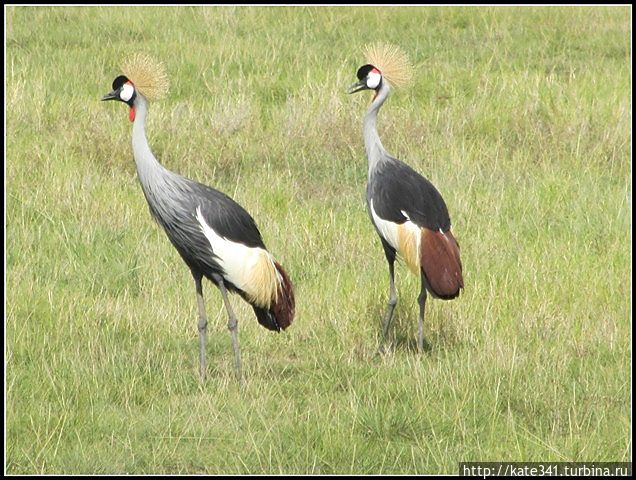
<point>202,325</point>
<point>232,325</point>
<point>391,304</point>
<point>420,331</point>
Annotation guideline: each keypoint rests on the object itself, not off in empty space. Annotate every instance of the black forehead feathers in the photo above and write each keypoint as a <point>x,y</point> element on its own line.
<point>364,70</point>
<point>119,81</point>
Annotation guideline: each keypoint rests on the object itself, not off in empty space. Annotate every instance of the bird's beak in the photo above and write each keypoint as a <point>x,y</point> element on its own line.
<point>356,87</point>
<point>114,95</point>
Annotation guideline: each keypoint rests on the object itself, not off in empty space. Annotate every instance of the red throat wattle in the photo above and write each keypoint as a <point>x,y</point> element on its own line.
<point>131,114</point>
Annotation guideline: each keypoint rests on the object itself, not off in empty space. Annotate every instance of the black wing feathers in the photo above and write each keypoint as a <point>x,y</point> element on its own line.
<point>174,205</point>
<point>395,187</point>
<point>226,217</point>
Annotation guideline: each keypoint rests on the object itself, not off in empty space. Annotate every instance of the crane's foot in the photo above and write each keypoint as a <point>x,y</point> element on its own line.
<point>421,342</point>
<point>388,316</point>
<point>423,345</point>
<point>233,327</point>
<point>202,327</point>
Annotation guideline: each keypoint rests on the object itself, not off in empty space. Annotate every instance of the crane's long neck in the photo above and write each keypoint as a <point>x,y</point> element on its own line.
<point>372,144</point>
<point>147,165</point>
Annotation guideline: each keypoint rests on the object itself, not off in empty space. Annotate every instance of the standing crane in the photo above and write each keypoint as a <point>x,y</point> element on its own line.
<point>408,212</point>
<point>214,235</point>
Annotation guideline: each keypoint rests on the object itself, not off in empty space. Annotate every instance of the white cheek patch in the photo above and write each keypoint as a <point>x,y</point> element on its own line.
<point>126,92</point>
<point>373,79</point>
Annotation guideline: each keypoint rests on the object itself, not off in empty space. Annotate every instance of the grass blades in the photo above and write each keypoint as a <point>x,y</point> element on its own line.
<point>521,116</point>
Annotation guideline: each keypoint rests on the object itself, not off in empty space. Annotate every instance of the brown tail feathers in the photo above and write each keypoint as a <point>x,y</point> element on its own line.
<point>441,265</point>
<point>280,314</point>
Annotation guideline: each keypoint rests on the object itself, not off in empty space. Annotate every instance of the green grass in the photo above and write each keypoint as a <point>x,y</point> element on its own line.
<point>520,116</point>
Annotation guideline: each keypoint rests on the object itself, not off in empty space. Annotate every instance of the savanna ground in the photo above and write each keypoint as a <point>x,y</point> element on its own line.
<point>520,116</point>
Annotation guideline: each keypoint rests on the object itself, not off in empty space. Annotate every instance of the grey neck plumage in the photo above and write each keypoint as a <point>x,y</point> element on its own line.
<point>376,153</point>
<point>148,168</point>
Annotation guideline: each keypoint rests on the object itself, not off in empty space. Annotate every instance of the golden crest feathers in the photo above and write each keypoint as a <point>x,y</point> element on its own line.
<point>148,75</point>
<point>392,62</point>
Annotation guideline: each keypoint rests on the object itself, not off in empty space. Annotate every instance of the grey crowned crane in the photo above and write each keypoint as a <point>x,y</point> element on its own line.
<point>214,235</point>
<point>408,212</point>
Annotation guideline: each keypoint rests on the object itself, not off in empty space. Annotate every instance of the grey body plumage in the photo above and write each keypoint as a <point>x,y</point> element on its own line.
<point>408,213</point>
<point>198,219</point>
<point>393,186</point>
<point>174,199</point>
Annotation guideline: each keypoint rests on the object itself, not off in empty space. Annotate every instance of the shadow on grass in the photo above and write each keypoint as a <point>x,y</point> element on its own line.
<point>440,333</point>
<point>408,342</point>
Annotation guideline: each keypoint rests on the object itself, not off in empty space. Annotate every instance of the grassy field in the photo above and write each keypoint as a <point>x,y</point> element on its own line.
<point>520,116</point>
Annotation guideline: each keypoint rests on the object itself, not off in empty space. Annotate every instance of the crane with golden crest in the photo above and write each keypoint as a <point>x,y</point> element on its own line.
<point>214,235</point>
<point>407,211</point>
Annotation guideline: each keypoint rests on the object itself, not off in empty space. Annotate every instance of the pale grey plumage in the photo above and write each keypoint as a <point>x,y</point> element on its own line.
<point>405,205</point>
<point>376,153</point>
<point>193,216</point>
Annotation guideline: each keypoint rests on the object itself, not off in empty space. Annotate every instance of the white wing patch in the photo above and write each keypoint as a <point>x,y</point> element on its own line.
<point>251,269</point>
<point>387,229</point>
<point>404,238</point>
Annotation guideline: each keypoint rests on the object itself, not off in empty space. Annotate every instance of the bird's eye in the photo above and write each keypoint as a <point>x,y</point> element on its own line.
<point>373,80</point>
<point>126,92</point>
